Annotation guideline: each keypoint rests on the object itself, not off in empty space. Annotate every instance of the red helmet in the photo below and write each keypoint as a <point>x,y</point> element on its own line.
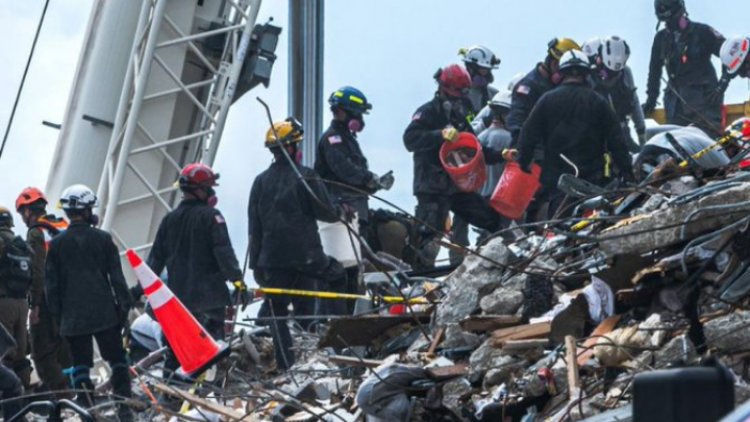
<point>30,196</point>
<point>453,80</point>
<point>197,175</point>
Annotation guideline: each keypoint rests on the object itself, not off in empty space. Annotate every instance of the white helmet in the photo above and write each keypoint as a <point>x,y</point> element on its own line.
<point>591,47</point>
<point>615,53</point>
<point>78,197</point>
<point>480,56</point>
<point>734,53</point>
<point>574,59</point>
<point>502,99</point>
<point>514,81</point>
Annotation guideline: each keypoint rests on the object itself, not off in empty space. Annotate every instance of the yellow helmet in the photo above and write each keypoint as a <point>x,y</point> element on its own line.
<point>289,131</point>
<point>559,46</point>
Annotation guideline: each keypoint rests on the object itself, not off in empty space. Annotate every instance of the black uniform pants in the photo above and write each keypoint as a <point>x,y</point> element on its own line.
<point>112,351</point>
<point>433,211</point>
<point>49,351</point>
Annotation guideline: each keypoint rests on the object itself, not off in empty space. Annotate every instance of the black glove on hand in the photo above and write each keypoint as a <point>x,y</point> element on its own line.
<point>648,107</point>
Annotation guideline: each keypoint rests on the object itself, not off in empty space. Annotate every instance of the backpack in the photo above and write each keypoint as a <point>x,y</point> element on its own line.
<point>15,267</point>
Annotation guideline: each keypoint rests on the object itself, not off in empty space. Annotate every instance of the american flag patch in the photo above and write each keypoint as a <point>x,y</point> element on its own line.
<point>334,139</point>
<point>416,116</point>
<point>219,219</point>
<point>523,89</point>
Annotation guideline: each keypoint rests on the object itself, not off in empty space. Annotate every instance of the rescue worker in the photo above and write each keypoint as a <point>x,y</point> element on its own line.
<point>193,243</point>
<point>591,49</point>
<point>496,137</point>
<point>49,350</point>
<point>574,121</point>
<point>340,159</point>
<point>734,57</point>
<point>286,201</point>
<point>437,121</point>
<point>693,94</point>
<point>10,384</point>
<point>88,296</point>
<point>480,61</point>
<point>14,304</point>
<point>543,78</point>
<point>484,117</point>
<point>613,79</point>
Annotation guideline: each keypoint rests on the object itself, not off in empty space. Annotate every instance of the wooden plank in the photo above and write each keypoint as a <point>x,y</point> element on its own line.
<point>574,381</point>
<point>447,372</point>
<point>513,345</point>
<point>605,327</point>
<point>355,362</point>
<point>522,332</point>
<point>483,323</point>
<point>436,340</point>
<point>229,413</point>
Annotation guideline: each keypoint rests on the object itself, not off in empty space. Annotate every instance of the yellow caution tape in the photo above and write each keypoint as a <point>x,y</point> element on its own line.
<point>335,295</point>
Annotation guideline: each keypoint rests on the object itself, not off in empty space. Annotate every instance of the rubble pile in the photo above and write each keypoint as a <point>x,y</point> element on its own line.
<point>553,322</point>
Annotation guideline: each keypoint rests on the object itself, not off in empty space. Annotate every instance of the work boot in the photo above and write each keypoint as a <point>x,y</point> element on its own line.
<point>83,386</point>
<point>122,390</point>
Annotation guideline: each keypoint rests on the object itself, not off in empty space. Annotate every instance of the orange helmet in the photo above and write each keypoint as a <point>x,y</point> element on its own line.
<point>30,196</point>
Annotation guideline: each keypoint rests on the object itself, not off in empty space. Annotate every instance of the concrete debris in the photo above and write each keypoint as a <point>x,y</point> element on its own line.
<point>548,324</point>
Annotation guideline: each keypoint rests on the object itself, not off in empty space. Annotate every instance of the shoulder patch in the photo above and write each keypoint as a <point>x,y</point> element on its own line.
<point>334,139</point>
<point>416,116</point>
<point>219,219</point>
<point>523,89</point>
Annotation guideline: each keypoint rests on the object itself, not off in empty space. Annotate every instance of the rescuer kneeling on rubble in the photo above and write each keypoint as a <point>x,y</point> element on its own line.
<point>574,121</point>
<point>285,248</point>
<point>88,296</point>
<point>193,243</point>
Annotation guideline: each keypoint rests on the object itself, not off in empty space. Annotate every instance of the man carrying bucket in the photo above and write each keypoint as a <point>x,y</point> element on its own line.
<point>574,126</point>
<point>441,120</point>
<point>285,247</point>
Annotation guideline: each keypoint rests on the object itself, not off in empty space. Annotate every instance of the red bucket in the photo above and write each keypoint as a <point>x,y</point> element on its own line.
<point>467,171</point>
<point>516,189</point>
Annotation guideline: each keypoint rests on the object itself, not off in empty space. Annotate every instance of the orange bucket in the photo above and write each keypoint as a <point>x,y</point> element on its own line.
<point>467,171</point>
<point>515,190</point>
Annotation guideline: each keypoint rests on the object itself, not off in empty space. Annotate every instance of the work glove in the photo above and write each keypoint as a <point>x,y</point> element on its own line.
<point>510,154</point>
<point>450,134</point>
<point>648,107</point>
<point>386,181</point>
<point>717,95</point>
<point>240,288</point>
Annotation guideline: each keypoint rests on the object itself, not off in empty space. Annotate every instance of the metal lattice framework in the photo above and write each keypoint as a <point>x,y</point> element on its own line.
<point>179,85</point>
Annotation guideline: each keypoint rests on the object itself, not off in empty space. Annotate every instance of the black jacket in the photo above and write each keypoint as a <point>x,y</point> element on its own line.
<point>282,218</point>
<point>340,159</point>
<point>423,137</point>
<point>573,120</point>
<point>85,286</point>
<point>526,93</point>
<point>687,57</point>
<point>193,243</point>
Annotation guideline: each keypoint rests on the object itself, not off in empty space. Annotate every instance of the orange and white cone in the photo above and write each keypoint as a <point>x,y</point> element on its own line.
<point>194,348</point>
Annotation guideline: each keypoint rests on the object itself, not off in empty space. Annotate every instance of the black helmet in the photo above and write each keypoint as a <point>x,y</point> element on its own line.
<point>666,9</point>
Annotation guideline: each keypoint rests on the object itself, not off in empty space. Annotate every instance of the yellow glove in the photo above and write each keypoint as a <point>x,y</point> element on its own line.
<point>510,154</point>
<point>240,288</point>
<point>450,134</point>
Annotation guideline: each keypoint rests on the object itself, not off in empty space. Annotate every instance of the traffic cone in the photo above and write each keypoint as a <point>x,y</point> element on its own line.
<point>194,348</point>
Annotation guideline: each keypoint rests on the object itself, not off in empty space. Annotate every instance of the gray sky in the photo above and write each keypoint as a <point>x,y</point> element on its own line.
<point>387,48</point>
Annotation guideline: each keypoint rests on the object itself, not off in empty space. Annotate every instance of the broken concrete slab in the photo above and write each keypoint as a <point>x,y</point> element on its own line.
<point>502,301</point>
<point>474,278</point>
<point>730,332</point>
<point>662,228</point>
